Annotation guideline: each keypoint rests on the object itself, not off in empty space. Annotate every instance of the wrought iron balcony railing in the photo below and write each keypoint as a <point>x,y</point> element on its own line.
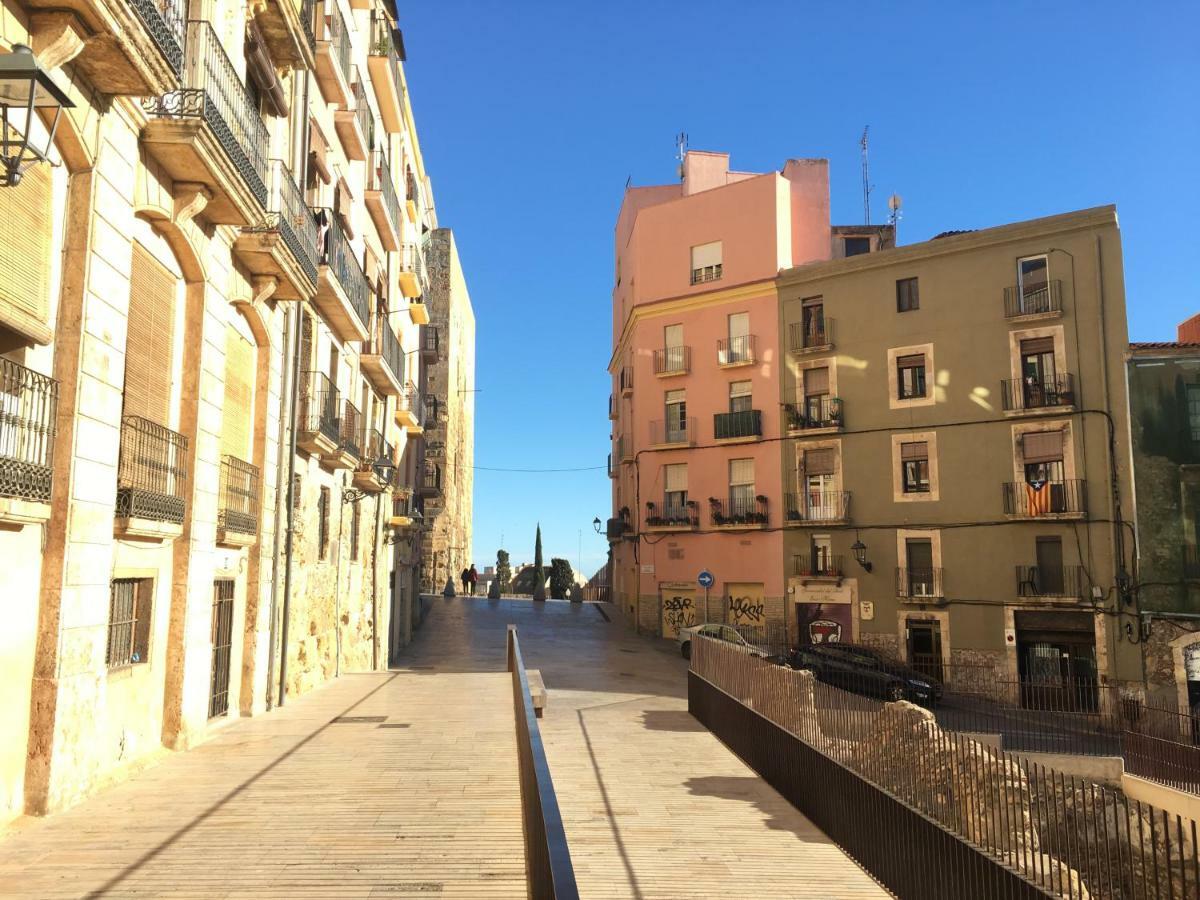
<point>673,431</point>
<point>738,509</point>
<point>705,274</point>
<point>339,38</point>
<point>288,213</point>
<point>361,109</point>
<point>813,413</point>
<point>913,583</point>
<point>1033,302</point>
<point>433,409</point>
<point>166,23</point>
<point>673,514</point>
<point>1050,581</point>
<point>216,94</point>
<point>28,423</point>
<point>673,360</point>
<point>817,566</point>
<point>1038,393</point>
<point>374,449</point>
<point>626,379</point>
<point>818,506</point>
<point>1031,500</point>
<point>379,178</point>
<point>351,431</point>
<point>337,253</point>
<point>151,471</point>
<point>739,350</point>
<point>746,423</point>
<point>320,405</point>
<point>431,479</point>
<point>308,10</point>
<point>431,346</point>
<point>410,402</point>
<point>385,344</point>
<point>239,496</point>
<point>813,335</point>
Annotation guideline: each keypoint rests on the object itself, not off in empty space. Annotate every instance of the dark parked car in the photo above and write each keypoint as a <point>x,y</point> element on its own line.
<point>865,671</point>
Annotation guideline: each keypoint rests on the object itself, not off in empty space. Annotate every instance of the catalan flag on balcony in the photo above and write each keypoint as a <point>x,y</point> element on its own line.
<point>1037,497</point>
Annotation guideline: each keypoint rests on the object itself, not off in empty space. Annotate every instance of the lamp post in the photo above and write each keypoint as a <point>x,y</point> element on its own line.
<point>24,87</point>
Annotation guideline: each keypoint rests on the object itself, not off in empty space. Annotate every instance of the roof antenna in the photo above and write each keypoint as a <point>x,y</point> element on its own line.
<point>866,179</point>
<point>895,203</point>
<point>681,146</point>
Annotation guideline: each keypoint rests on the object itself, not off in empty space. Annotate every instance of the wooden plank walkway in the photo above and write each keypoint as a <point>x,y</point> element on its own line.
<point>292,804</point>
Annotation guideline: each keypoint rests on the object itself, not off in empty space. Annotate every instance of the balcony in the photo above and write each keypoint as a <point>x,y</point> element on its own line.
<point>626,381</point>
<point>818,567</point>
<point>237,514</point>
<point>433,411</point>
<point>1049,394</point>
<point>671,361</point>
<point>431,343</point>
<point>612,407</point>
<point>624,448</point>
<point>672,516</point>
<point>738,512</point>
<point>737,351</point>
<point>403,509</point>
<point>409,409</point>
<point>368,474</point>
<point>1043,303</point>
<point>612,473</point>
<point>705,274</point>
<point>412,197</point>
<point>810,337</point>
<point>431,480</point>
<point>318,428</point>
<point>352,123</point>
<point>1046,499</point>
<point>151,477</point>
<point>384,65</point>
<point>287,29</point>
<point>343,295</point>
<point>745,425</point>
<point>815,414</point>
<point>919,585</point>
<point>382,359</point>
<point>673,434</point>
<point>413,277</point>
<point>349,444</point>
<point>28,423</point>
<point>333,57</point>
<point>817,507</point>
<point>617,528</point>
<point>418,311</point>
<point>382,202</point>
<point>284,245</point>
<point>210,133</point>
<point>1057,582</point>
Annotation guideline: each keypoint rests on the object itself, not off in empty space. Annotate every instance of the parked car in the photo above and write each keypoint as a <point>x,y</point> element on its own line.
<point>722,633</point>
<point>866,671</point>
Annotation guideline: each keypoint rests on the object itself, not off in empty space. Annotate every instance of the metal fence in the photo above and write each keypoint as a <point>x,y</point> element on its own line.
<point>1038,393</point>
<point>547,856</point>
<point>737,350</point>
<point>1032,302</point>
<point>28,424</point>
<point>933,813</point>
<point>379,178</point>
<point>351,435</point>
<point>239,496</point>
<point>738,510</point>
<point>319,406</point>
<point>289,214</point>
<point>673,431</point>
<point>817,506</point>
<point>810,335</point>
<point>151,471</point>
<point>673,360</point>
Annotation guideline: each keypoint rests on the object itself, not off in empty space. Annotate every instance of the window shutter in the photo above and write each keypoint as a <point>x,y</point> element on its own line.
<point>25,219</point>
<point>673,336</point>
<point>741,471</point>
<point>816,381</point>
<point>706,255</point>
<point>915,450</point>
<point>237,415</point>
<point>739,325</point>
<point>1042,446</point>
<point>906,362</point>
<point>675,397</point>
<point>818,462</point>
<point>739,388</point>
<point>675,477</point>
<point>148,350</point>
<point>1038,345</point>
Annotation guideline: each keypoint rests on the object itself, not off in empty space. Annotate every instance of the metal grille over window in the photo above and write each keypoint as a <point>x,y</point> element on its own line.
<point>222,641</point>
<point>28,408</point>
<point>129,621</point>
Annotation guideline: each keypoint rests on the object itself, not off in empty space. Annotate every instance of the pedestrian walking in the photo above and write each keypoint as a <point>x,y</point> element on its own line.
<point>466,580</point>
<point>474,575</point>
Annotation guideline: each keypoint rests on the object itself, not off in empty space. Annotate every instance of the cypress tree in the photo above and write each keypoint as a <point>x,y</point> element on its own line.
<point>539,578</point>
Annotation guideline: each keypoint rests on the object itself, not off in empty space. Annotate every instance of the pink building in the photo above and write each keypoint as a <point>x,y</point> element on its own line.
<point>696,464</point>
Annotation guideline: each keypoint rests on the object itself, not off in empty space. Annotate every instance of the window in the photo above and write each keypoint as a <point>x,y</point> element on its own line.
<point>907,297</point>
<point>739,347</point>
<point>1193,402</point>
<point>323,524</point>
<point>676,417</point>
<point>129,619</point>
<point>918,553</point>
<point>911,372</point>
<point>149,346</point>
<point>1033,283</point>
<point>1049,579</point>
<point>674,353</point>
<point>816,411</point>
<point>812,323</point>
<point>856,246</point>
<point>354,526</point>
<point>26,218</point>
<point>741,486</point>
<point>821,555</point>
<point>675,490</point>
<point>1042,453</point>
<point>706,262</point>
<point>821,499</point>
<point>914,460</point>
<point>740,399</point>
<point>1037,372</point>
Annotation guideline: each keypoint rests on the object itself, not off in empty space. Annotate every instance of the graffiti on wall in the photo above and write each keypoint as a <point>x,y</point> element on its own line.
<point>678,610</point>
<point>746,605</point>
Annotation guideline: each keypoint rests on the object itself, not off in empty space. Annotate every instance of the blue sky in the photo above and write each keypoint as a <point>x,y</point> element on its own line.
<point>533,114</point>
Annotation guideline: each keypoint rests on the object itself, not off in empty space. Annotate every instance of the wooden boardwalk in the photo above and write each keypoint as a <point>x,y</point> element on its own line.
<point>293,804</point>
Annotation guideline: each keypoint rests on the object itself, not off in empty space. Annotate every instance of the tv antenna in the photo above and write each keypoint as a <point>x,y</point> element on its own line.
<point>866,179</point>
<point>681,146</point>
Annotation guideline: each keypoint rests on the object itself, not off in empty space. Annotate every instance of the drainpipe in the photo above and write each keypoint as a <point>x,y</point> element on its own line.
<point>375,588</point>
<point>337,587</point>
<point>291,504</point>
<point>279,496</point>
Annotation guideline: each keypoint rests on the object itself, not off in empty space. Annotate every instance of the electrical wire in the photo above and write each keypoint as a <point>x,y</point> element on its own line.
<point>539,471</point>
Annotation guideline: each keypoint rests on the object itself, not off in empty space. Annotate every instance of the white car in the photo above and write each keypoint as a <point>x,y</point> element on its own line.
<point>721,633</point>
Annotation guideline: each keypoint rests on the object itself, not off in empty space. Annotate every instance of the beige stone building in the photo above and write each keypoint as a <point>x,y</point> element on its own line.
<point>448,479</point>
<point>210,359</point>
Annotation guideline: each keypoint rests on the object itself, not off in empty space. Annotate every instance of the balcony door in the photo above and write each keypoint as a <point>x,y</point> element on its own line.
<point>1033,283</point>
<point>739,338</point>
<point>1037,372</point>
<point>741,486</point>
<point>925,646</point>
<point>813,322</point>
<point>820,494</point>
<point>1050,566</point>
<point>673,348</point>
<point>675,420</point>
<point>816,397</point>
<point>918,554</point>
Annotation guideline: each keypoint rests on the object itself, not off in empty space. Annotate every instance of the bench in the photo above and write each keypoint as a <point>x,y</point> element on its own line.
<point>537,690</point>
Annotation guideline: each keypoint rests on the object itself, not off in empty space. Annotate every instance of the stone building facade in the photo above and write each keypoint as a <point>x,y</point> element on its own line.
<point>447,482</point>
<point>210,311</point>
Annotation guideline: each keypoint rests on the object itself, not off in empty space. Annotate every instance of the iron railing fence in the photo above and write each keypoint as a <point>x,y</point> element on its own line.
<point>738,509</point>
<point>412,259</point>
<point>1038,393</point>
<point>1170,762</point>
<point>151,471</point>
<point>673,431</point>
<point>1051,581</point>
<point>320,406</point>
<point>338,37</point>
<point>28,425</point>
<point>308,9</point>
<point>289,214</point>
<point>166,23</point>
<point>362,112</point>
<point>736,350</point>
<point>814,412</point>
<point>372,445</point>
<point>216,94</point>
<point>597,593</point>
<point>385,343</point>
<point>741,424</point>
<point>817,506</point>
<point>379,178</point>
<point>1033,302</point>
<point>685,514</point>
<point>431,345</point>
<point>673,360</point>
<point>811,335</point>
<point>818,566</point>
<point>433,410</point>
<point>929,812</point>
<point>1045,498</point>
<point>239,496</point>
<point>547,856</point>
<point>336,252</point>
<point>351,432</point>
<point>919,583</point>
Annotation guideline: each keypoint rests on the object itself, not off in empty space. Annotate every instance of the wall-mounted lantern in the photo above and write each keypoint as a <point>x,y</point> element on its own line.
<point>24,87</point>
<point>860,552</point>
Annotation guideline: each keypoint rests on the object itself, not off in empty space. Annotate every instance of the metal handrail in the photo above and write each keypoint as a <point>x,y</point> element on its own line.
<point>736,350</point>
<point>166,22</point>
<point>320,406</point>
<point>289,214</point>
<point>810,335</point>
<point>666,514</point>
<point>547,855</point>
<point>382,44</point>
<point>362,111</point>
<point>28,425</point>
<point>818,506</point>
<point>738,510</point>
<point>667,432</point>
<point>1038,393</point>
<point>337,253</point>
<point>919,582</point>
<point>673,360</point>
<point>1045,498</point>
<point>385,344</point>
<point>339,39</point>
<point>351,435</point>
<point>1033,303</point>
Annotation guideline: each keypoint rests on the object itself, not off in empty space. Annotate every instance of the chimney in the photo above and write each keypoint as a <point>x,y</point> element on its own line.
<point>1188,332</point>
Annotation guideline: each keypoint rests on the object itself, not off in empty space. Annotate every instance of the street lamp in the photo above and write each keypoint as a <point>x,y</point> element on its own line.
<point>859,549</point>
<point>24,87</point>
<point>596,524</point>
